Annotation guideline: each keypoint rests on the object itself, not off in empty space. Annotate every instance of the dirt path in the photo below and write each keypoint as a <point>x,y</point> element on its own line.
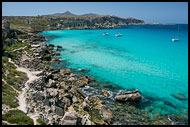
<point>22,95</point>
<point>22,98</point>
<point>8,123</point>
<point>18,49</point>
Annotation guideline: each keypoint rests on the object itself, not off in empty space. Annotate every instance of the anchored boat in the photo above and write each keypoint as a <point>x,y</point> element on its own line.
<point>118,35</point>
<point>105,33</point>
<point>176,39</point>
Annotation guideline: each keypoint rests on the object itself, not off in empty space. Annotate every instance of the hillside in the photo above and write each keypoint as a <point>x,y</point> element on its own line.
<point>68,21</point>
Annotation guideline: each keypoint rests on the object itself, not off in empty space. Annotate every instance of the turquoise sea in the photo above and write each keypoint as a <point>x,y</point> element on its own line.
<point>143,58</point>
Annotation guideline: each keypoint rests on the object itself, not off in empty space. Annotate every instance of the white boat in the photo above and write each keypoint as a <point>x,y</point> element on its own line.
<point>105,33</point>
<point>175,39</point>
<point>118,35</point>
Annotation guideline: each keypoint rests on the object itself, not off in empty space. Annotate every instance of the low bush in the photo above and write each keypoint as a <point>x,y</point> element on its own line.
<point>9,96</point>
<point>15,46</point>
<point>11,77</point>
<point>17,117</point>
<point>41,122</point>
<point>22,36</point>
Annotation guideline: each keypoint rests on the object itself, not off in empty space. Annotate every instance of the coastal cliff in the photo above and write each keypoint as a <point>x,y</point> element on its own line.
<point>57,22</point>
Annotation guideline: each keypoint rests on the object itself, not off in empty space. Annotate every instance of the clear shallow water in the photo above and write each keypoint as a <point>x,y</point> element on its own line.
<point>143,58</point>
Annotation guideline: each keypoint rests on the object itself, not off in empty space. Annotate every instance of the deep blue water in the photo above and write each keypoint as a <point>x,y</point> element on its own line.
<point>144,58</point>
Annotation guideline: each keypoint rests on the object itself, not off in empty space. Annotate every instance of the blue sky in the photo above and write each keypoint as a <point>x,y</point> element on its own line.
<point>159,12</point>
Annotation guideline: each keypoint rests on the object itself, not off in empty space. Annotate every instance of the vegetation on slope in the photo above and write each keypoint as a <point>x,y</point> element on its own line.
<point>17,117</point>
<point>41,122</point>
<point>40,23</point>
<point>10,78</point>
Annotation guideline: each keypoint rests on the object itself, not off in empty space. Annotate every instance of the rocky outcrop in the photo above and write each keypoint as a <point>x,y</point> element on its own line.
<point>5,29</point>
<point>129,96</point>
<point>32,37</point>
<point>8,34</point>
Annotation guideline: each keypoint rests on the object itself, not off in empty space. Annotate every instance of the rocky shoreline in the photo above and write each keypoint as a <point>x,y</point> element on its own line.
<point>55,96</point>
<point>62,97</point>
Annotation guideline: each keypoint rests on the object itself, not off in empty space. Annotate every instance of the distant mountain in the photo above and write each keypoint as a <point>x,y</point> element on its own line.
<point>67,13</point>
<point>89,14</point>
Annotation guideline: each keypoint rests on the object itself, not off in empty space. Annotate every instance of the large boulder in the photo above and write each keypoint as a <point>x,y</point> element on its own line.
<point>65,71</point>
<point>55,60</point>
<point>107,114</point>
<point>179,96</point>
<point>46,102</point>
<point>59,46</point>
<point>82,81</point>
<point>84,70</point>
<point>70,118</point>
<point>105,93</point>
<point>52,92</point>
<point>38,96</point>
<point>51,45</point>
<point>51,83</point>
<point>66,101</point>
<point>59,111</point>
<point>177,120</point>
<point>43,48</point>
<point>47,57</point>
<point>86,120</point>
<point>74,99</point>
<point>65,85</point>
<point>129,96</point>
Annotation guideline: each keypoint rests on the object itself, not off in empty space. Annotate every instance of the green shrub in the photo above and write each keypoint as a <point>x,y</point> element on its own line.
<point>4,59</point>
<point>28,50</point>
<point>41,122</point>
<point>6,88</point>
<point>17,117</point>
<point>8,65</point>
<point>22,36</point>
<point>15,46</point>
<point>15,55</point>
<point>21,76</point>
<point>9,96</point>
<point>8,93</point>
<point>9,100</point>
